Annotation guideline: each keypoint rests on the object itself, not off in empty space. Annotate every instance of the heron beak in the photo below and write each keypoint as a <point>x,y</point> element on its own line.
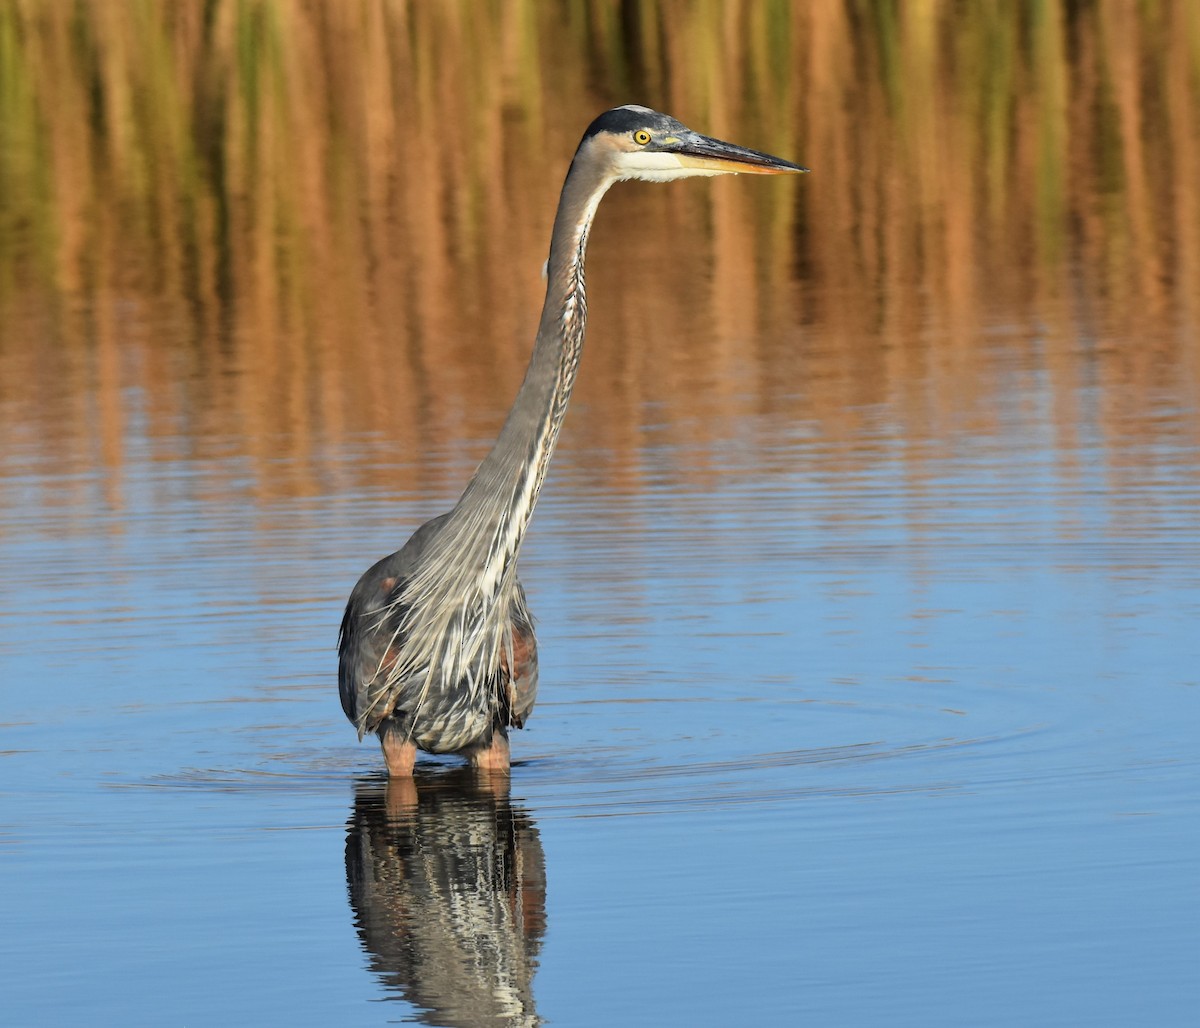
<point>717,157</point>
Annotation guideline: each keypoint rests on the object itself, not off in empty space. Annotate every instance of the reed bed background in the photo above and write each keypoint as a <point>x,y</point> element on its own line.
<point>265,230</point>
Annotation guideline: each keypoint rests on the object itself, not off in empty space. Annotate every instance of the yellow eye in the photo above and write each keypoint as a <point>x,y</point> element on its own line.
<point>641,137</point>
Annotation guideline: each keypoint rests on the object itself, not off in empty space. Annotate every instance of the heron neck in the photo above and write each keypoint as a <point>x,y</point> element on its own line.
<point>507,482</point>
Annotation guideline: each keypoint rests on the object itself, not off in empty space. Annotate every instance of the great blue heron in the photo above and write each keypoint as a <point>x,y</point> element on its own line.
<point>437,650</point>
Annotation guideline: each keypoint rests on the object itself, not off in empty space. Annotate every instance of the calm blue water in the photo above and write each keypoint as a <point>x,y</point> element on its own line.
<point>907,739</point>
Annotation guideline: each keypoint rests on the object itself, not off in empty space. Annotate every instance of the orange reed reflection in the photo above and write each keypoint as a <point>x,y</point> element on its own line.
<point>285,227</point>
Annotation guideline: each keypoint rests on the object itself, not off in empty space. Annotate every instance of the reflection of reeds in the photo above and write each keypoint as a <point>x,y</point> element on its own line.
<point>328,219</point>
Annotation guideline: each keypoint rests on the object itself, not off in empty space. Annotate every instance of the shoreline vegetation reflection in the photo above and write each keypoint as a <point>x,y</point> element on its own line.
<point>309,210</point>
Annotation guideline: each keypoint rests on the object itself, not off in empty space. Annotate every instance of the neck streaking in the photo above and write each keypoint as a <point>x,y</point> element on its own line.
<point>459,598</point>
<point>505,486</point>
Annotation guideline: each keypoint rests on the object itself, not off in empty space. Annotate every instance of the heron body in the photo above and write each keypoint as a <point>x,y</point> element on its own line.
<point>437,650</point>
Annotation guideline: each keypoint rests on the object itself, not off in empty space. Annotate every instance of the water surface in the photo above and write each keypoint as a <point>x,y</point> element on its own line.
<point>867,575</point>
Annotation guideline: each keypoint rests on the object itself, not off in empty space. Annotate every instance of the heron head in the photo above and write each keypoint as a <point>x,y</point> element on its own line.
<point>634,142</point>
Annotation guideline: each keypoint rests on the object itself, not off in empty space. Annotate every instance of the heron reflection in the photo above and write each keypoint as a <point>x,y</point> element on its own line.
<point>447,881</point>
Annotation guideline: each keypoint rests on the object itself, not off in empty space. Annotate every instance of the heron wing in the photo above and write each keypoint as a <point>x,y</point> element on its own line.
<point>371,629</point>
<point>519,666</point>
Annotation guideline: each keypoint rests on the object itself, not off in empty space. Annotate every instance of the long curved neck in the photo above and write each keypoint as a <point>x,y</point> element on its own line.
<point>458,600</point>
<point>501,495</point>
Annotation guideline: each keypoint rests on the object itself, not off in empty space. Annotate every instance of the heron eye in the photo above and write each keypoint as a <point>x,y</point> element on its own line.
<point>641,137</point>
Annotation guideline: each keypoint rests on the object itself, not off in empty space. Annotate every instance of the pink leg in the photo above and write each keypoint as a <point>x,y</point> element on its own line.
<point>492,756</point>
<point>399,752</point>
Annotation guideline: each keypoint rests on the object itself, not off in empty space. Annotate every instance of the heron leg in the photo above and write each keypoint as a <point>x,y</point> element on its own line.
<point>491,756</point>
<point>399,751</point>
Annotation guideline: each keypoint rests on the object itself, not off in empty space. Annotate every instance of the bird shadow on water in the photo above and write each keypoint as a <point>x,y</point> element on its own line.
<point>447,882</point>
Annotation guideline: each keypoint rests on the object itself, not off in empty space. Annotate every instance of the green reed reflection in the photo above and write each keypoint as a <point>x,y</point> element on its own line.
<point>303,192</point>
